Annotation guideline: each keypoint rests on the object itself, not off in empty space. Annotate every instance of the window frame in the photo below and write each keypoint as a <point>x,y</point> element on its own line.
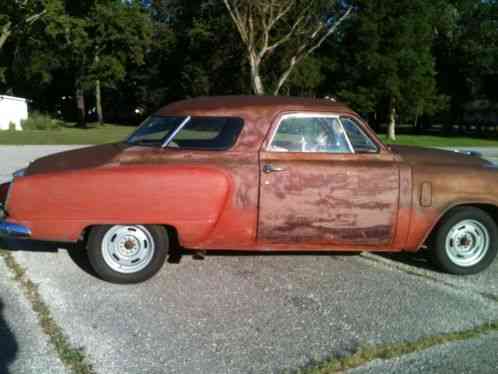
<point>186,120</point>
<point>363,131</point>
<point>285,116</point>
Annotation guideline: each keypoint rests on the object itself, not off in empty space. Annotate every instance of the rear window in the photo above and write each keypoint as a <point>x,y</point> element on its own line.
<point>209,133</point>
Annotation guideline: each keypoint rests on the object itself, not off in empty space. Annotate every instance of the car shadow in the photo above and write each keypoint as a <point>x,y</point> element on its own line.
<point>75,251</point>
<point>199,255</point>
<point>418,259</point>
<point>8,344</point>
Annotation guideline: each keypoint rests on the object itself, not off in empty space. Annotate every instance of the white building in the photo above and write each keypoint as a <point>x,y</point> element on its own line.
<point>12,110</point>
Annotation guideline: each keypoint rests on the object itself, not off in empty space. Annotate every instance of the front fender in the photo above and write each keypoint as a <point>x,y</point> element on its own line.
<point>437,189</point>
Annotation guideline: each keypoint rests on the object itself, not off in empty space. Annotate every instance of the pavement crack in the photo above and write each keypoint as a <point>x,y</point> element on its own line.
<point>367,354</point>
<point>72,357</point>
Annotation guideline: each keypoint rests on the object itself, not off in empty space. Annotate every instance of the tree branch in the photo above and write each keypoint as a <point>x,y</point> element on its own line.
<point>305,50</point>
<point>32,19</point>
<point>6,31</point>
<point>237,19</point>
<point>331,30</point>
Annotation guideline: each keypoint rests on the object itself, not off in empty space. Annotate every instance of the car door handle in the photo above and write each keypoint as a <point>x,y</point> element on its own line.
<point>269,168</point>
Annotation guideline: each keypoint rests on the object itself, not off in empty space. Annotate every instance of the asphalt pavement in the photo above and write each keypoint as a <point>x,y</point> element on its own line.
<point>246,313</point>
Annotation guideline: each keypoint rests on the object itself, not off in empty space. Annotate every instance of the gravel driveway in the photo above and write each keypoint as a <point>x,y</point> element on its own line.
<point>248,313</point>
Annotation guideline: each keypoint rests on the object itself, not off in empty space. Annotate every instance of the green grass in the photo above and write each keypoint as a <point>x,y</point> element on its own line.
<point>390,351</point>
<point>67,135</point>
<point>441,141</point>
<point>113,133</point>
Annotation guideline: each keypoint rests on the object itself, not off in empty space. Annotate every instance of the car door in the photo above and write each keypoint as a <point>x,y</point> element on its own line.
<point>324,181</point>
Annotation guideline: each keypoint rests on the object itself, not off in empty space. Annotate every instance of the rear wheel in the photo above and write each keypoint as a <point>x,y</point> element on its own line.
<point>465,242</point>
<point>127,253</point>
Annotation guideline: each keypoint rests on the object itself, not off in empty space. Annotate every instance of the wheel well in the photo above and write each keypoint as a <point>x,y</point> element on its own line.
<point>491,209</point>
<point>174,240</point>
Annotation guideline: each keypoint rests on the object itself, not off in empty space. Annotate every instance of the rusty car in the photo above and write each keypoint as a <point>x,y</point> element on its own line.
<point>255,174</point>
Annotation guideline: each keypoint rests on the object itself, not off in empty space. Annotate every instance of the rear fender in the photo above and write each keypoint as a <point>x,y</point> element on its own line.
<point>60,206</point>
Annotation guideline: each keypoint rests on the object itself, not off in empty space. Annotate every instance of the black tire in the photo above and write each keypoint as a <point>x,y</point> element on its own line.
<point>155,261</point>
<point>439,252</point>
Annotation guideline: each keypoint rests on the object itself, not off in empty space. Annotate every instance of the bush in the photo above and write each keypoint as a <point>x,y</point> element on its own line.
<point>38,121</point>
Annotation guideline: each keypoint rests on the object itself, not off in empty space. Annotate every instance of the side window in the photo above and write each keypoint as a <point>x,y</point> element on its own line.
<point>310,134</point>
<point>209,133</point>
<point>359,140</point>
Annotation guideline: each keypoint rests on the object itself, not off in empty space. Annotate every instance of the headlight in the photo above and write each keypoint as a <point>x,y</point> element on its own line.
<point>19,173</point>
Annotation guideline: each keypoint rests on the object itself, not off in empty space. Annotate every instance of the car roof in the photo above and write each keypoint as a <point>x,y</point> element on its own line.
<point>258,112</point>
<point>239,105</point>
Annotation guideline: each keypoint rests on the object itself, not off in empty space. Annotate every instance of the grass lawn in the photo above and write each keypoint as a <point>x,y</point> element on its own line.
<point>67,135</point>
<point>113,133</point>
<point>441,141</point>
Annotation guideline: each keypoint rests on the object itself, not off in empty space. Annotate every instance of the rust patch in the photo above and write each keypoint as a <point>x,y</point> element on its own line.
<point>426,194</point>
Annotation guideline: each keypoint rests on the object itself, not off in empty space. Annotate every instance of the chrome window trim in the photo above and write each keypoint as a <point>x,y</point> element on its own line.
<point>177,130</point>
<point>310,115</point>
<point>360,127</point>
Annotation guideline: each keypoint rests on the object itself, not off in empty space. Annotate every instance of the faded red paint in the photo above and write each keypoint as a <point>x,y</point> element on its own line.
<point>223,200</point>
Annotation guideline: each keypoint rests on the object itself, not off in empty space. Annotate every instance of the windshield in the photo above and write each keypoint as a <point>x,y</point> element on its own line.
<point>213,133</point>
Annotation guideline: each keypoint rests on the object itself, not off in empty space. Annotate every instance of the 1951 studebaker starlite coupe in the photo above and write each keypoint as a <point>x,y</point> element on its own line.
<point>256,174</point>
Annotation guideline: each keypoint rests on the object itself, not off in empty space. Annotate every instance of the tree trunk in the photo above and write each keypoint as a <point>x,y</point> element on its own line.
<point>98,102</point>
<point>257,82</point>
<point>373,121</point>
<point>80,106</point>
<point>392,119</point>
<point>285,75</point>
<point>98,95</point>
<point>6,31</point>
<point>416,124</point>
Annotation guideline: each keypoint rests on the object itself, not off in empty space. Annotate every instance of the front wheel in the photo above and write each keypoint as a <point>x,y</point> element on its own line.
<point>127,253</point>
<point>465,242</point>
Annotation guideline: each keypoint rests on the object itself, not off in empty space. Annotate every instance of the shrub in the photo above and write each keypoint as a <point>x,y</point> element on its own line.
<point>39,121</point>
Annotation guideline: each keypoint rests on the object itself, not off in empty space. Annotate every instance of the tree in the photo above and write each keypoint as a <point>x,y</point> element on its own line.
<point>93,43</point>
<point>18,15</point>
<point>389,62</point>
<point>120,35</point>
<point>466,52</point>
<point>300,26</point>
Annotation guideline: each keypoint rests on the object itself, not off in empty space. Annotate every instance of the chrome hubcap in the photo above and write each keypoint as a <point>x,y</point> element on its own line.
<point>127,249</point>
<point>467,243</point>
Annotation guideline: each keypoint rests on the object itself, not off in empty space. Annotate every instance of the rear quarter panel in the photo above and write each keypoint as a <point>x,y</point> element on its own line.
<point>60,206</point>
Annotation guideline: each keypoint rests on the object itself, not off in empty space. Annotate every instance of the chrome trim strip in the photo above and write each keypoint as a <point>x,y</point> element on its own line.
<point>178,129</point>
<point>346,136</point>
<point>12,230</point>
<point>468,153</point>
<point>361,127</point>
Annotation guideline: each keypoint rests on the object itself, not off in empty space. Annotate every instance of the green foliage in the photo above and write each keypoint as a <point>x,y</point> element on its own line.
<point>390,58</point>
<point>39,121</point>
<point>431,57</point>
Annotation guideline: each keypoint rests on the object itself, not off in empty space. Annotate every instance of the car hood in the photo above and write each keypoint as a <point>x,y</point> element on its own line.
<point>420,155</point>
<point>77,159</point>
